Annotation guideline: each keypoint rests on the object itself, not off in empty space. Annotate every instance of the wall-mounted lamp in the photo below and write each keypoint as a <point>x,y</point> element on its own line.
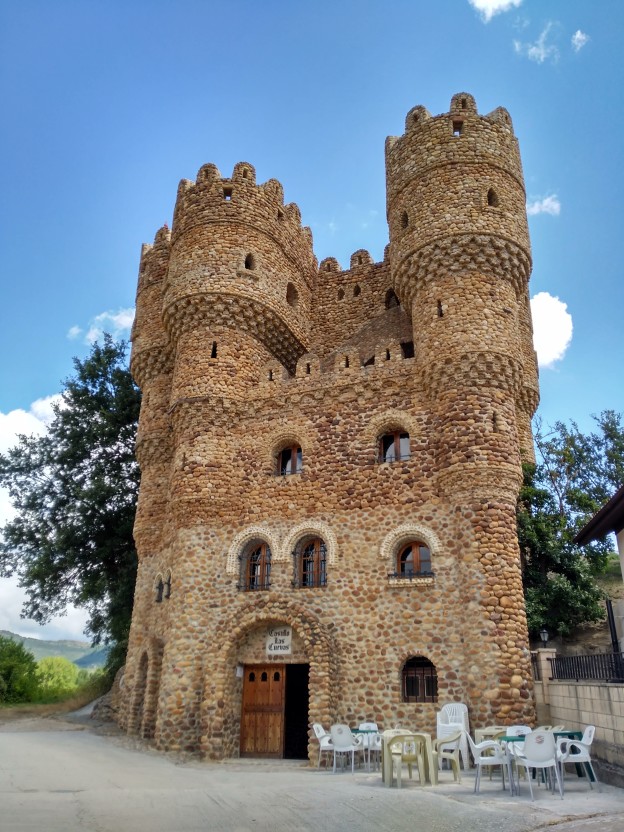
<point>544,636</point>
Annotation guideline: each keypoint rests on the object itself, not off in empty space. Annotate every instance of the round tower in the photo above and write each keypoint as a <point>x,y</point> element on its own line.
<point>460,257</point>
<point>151,367</point>
<point>237,296</point>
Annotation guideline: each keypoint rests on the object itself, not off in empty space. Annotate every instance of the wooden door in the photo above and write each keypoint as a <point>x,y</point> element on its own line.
<point>262,723</point>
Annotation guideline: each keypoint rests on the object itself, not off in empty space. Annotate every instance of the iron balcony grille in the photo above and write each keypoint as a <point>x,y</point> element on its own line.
<point>252,586</point>
<point>535,667</point>
<point>604,667</point>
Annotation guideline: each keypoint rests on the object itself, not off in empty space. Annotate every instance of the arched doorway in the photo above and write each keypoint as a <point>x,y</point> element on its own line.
<point>274,714</point>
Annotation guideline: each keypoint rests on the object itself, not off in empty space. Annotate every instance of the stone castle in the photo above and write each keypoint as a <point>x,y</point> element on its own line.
<point>331,458</point>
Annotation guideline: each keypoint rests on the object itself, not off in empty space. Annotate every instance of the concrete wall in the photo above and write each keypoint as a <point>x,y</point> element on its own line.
<point>578,704</point>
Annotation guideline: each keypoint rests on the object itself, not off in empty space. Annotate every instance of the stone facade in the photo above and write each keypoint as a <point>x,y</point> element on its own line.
<point>243,347</point>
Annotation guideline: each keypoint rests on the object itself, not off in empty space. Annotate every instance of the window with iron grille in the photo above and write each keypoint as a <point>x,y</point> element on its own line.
<point>394,446</point>
<point>420,680</point>
<point>256,567</point>
<point>311,563</point>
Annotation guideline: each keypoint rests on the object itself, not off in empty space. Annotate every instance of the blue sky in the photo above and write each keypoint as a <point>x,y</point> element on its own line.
<point>107,105</point>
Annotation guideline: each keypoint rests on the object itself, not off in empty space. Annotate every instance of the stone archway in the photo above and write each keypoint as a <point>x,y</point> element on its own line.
<point>138,696</point>
<point>242,642</point>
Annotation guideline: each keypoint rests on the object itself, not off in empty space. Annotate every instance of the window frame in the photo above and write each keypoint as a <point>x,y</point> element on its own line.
<point>396,435</point>
<point>311,563</point>
<point>295,454</point>
<point>422,672</point>
<point>417,570</point>
<point>260,578</point>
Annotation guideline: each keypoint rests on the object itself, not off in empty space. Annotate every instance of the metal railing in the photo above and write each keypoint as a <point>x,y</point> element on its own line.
<point>604,667</point>
<point>535,667</point>
<point>410,574</point>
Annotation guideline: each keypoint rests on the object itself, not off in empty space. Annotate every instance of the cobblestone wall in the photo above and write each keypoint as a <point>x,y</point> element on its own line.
<point>243,347</point>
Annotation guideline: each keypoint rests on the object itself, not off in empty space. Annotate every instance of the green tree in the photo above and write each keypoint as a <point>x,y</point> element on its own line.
<point>559,584</point>
<point>576,474</point>
<point>75,490</point>
<point>57,677</point>
<point>18,672</point>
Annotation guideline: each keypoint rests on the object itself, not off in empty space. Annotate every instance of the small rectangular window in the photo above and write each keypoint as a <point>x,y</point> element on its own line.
<point>458,127</point>
<point>227,194</point>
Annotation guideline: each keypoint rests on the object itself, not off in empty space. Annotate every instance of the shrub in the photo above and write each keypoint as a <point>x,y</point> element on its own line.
<point>18,673</point>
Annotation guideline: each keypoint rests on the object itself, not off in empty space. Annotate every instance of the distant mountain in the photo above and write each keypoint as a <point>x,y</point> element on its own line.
<point>79,652</point>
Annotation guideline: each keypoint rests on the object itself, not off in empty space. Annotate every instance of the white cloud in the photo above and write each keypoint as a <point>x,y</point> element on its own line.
<point>552,328</point>
<point>28,423</point>
<point>12,597</point>
<point>546,205</point>
<point>579,39</point>
<point>540,50</point>
<point>488,8</point>
<point>118,324</point>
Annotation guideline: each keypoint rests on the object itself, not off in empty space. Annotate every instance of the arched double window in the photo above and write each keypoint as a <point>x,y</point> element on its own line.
<point>419,680</point>
<point>256,567</point>
<point>393,446</point>
<point>413,558</point>
<point>311,563</point>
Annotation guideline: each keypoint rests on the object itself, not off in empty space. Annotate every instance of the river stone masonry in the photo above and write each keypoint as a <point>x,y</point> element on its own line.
<point>405,390</point>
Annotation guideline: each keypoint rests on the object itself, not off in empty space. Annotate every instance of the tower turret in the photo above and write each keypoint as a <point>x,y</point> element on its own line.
<point>460,257</point>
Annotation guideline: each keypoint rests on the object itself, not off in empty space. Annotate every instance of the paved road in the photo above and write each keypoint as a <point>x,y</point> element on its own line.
<point>58,776</point>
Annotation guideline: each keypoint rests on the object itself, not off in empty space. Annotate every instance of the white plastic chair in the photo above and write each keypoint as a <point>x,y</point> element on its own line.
<point>577,751</point>
<point>448,749</point>
<point>371,743</point>
<point>406,748</point>
<point>324,741</point>
<point>451,718</point>
<point>489,753</point>
<point>520,730</point>
<point>343,742</point>
<point>539,752</point>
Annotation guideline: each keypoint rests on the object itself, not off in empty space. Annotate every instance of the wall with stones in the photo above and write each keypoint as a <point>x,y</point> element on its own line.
<point>239,358</point>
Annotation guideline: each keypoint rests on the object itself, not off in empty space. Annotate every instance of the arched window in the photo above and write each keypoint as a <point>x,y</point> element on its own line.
<point>419,680</point>
<point>341,294</point>
<point>394,446</point>
<point>160,587</point>
<point>357,291</point>
<point>492,198</point>
<point>167,588</point>
<point>311,563</point>
<point>414,558</point>
<point>250,262</point>
<point>404,220</point>
<point>256,567</point>
<point>290,460</point>
<point>292,295</point>
<point>391,299</point>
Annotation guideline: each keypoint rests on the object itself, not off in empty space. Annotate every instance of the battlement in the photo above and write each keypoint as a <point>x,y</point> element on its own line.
<point>154,258</point>
<point>238,200</point>
<point>460,136</point>
<point>458,165</point>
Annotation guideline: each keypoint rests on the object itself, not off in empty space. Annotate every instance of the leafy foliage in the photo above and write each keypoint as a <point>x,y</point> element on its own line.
<point>75,490</point>
<point>18,672</point>
<point>58,677</point>
<point>577,473</point>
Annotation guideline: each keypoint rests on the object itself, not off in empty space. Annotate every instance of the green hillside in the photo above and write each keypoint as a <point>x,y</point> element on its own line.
<point>79,652</point>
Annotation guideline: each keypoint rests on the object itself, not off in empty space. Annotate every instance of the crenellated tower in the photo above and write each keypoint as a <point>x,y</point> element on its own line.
<point>460,257</point>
